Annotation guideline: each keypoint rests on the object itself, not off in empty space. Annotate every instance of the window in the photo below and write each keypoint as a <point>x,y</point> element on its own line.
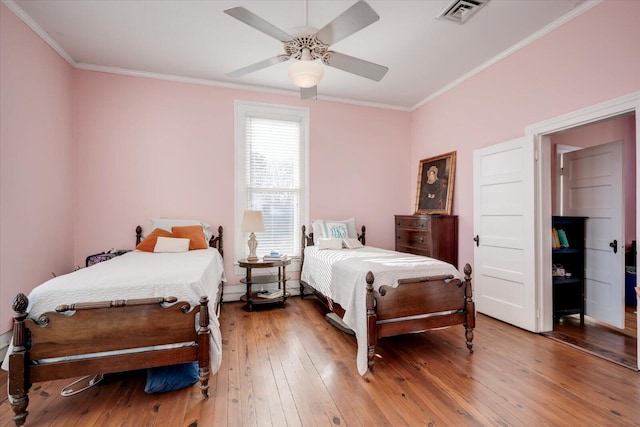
<point>271,174</point>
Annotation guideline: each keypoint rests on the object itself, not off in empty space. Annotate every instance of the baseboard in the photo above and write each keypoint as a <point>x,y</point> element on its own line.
<point>233,292</point>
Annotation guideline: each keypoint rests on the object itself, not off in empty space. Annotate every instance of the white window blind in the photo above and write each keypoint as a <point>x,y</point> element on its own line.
<point>273,181</point>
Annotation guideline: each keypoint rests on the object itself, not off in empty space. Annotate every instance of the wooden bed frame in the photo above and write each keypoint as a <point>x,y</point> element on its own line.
<point>106,327</point>
<point>416,305</point>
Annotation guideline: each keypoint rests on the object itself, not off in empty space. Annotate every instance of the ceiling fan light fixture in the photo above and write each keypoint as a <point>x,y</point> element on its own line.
<point>306,73</point>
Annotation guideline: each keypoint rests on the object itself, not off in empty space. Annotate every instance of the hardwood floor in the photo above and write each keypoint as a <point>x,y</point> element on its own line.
<point>616,345</point>
<point>290,367</point>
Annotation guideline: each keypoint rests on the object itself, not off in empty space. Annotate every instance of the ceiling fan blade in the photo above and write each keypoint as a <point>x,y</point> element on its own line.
<point>308,92</point>
<point>351,20</point>
<point>253,20</point>
<point>258,66</point>
<point>357,66</point>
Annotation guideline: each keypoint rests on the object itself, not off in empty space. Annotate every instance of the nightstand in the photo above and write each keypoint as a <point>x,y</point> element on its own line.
<point>258,297</point>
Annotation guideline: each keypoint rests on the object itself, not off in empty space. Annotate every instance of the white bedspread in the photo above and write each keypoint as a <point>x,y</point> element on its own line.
<point>341,276</point>
<point>186,276</point>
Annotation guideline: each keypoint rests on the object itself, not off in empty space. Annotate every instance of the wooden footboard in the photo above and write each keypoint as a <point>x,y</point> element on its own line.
<point>65,343</point>
<point>417,305</point>
<point>126,333</point>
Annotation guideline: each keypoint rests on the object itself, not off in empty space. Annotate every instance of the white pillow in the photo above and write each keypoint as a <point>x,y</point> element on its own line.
<point>167,223</point>
<point>171,244</point>
<point>318,228</point>
<point>329,243</point>
<point>350,243</point>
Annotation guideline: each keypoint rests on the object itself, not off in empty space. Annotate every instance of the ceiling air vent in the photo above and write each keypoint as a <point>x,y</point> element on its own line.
<point>461,10</point>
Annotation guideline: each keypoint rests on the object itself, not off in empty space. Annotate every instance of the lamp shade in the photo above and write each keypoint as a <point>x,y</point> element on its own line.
<point>252,222</point>
<point>306,73</point>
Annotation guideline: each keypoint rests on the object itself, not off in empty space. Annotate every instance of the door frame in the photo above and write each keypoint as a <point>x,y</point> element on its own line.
<point>541,136</point>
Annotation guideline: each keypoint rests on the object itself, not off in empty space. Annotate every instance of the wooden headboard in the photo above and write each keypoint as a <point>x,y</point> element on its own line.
<point>214,242</point>
<point>307,240</point>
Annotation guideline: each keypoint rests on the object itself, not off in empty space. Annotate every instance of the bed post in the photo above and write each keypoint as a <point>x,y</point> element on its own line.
<point>304,242</point>
<point>362,236</point>
<point>470,308</point>
<point>18,382</point>
<point>216,242</point>
<point>204,347</point>
<point>372,330</point>
<point>138,235</point>
<point>219,241</point>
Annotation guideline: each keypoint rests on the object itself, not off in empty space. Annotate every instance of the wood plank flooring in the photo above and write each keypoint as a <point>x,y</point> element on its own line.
<point>602,340</point>
<point>289,367</point>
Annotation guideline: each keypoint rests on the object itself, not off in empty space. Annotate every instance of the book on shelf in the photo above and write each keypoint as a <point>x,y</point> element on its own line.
<point>555,239</point>
<point>562,237</point>
<point>270,294</point>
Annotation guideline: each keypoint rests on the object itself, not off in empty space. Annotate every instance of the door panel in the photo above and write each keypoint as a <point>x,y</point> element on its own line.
<point>504,258</point>
<point>593,186</point>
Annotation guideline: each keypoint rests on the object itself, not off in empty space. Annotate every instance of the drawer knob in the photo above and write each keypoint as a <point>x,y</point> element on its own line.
<point>421,240</point>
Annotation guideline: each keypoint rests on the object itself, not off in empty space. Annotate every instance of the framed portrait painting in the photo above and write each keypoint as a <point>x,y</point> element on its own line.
<point>436,176</point>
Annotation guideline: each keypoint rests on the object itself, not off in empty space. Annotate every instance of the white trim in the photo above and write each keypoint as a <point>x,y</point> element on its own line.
<point>228,85</point>
<point>280,112</point>
<point>17,10</point>
<point>543,210</point>
<point>604,110</point>
<point>557,172</point>
<point>588,4</point>
<point>513,49</point>
<point>614,107</point>
<point>24,17</point>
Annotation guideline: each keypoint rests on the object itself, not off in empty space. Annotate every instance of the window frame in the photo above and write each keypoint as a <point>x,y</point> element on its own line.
<point>242,110</point>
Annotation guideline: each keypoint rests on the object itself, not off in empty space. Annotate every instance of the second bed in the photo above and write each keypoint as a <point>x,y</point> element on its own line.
<point>380,293</point>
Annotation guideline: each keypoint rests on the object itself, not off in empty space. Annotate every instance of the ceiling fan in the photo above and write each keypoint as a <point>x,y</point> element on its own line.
<point>309,49</point>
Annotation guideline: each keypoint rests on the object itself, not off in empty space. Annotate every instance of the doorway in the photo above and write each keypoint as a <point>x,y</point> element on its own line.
<point>536,191</point>
<point>616,343</point>
<point>628,104</point>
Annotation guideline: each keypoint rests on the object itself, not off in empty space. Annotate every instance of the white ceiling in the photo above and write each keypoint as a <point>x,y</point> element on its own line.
<point>195,41</point>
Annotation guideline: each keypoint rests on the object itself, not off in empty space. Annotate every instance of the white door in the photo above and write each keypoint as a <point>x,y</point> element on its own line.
<point>504,229</point>
<point>593,186</point>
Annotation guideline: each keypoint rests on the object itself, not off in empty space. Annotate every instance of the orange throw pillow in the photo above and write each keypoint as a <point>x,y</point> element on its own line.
<point>149,242</point>
<point>192,232</point>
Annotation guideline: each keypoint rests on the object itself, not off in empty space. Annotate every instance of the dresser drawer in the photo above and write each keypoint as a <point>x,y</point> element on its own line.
<point>418,223</point>
<point>435,236</point>
<point>416,240</point>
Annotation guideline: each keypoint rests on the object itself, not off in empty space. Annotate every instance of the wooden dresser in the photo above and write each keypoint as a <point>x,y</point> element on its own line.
<point>435,236</point>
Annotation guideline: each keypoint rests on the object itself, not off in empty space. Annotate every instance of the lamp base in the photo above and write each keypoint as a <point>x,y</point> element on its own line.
<point>253,245</point>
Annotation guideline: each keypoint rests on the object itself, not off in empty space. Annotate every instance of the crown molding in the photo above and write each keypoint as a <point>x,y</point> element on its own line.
<point>579,10</point>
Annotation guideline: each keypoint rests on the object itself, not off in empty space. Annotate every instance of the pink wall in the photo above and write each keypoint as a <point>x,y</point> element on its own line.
<point>144,147</point>
<point>589,60</point>
<point>616,129</point>
<point>36,225</point>
<point>150,148</point>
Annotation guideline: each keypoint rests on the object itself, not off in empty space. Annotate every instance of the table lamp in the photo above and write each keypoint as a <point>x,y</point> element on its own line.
<point>252,222</point>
